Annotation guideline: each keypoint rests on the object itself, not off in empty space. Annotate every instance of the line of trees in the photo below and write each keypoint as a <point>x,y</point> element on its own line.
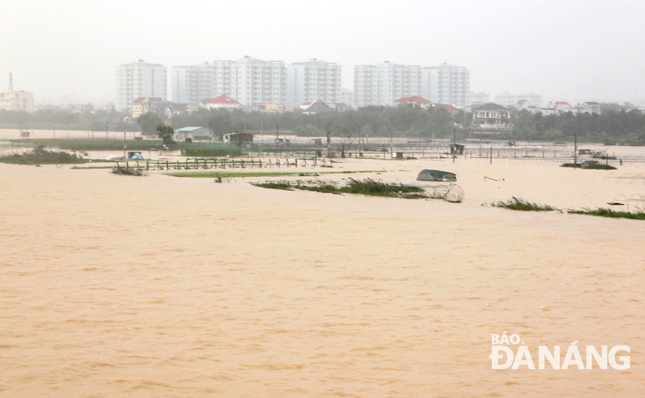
<point>49,119</point>
<point>612,126</point>
<point>376,121</point>
<point>623,127</point>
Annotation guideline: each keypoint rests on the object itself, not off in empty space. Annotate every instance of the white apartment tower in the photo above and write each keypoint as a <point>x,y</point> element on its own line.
<point>507,99</point>
<point>446,84</point>
<point>313,80</point>
<point>191,84</point>
<point>139,79</point>
<point>250,81</point>
<point>384,83</point>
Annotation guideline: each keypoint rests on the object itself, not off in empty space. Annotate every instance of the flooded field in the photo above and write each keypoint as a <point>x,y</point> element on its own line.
<point>174,287</point>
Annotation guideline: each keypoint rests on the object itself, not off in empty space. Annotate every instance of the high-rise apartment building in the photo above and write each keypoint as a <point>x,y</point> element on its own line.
<point>139,79</point>
<point>479,98</point>
<point>507,99</point>
<point>313,80</point>
<point>191,84</point>
<point>384,83</point>
<point>250,81</point>
<point>446,84</point>
<point>347,97</point>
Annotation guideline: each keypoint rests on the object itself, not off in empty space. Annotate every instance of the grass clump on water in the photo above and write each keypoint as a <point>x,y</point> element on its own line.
<point>128,171</point>
<point>590,166</point>
<point>600,212</point>
<point>40,155</point>
<point>367,186</point>
<point>523,205</point>
<point>372,187</point>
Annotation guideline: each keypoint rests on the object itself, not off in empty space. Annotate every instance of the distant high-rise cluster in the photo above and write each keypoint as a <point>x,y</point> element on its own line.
<point>251,81</point>
<point>384,83</point>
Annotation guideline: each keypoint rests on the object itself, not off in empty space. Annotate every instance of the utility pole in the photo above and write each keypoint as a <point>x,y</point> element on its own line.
<point>124,146</point>
<point>454,144</point>
<point>575,150</point>
<point>360,142</point>
<point>391,144</point>
<point>106,130</point>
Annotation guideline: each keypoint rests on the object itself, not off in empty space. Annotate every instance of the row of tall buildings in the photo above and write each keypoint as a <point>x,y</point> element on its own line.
<point>252,81</point>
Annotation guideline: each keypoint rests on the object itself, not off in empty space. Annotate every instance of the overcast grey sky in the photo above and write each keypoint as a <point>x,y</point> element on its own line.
<point>574,50</point>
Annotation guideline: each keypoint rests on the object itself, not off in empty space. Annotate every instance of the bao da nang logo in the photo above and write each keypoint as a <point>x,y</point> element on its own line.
<point>511,352</point>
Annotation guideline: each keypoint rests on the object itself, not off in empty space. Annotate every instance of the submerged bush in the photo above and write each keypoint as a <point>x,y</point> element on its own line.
<point>591,166</point>
<point>130,171</point>
<point>523,205</point>
<point>40,155</point>
<point>600,212</point>
<point>364,187</point>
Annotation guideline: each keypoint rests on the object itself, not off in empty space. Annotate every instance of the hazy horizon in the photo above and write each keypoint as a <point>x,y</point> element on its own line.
<point>573,51</point>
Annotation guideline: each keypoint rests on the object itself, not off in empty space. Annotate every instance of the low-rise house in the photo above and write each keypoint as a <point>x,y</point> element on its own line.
<point>562,106</point>
<point>192,133</point>
<point>141,105</point>
<point>415,100</point>
<point>315,107</point>
<point>237,138</point>
<point>491,117</point>
<point>264,107</point>
<point>589,107</point>
<point>167,109</point>
<point>221,102</point>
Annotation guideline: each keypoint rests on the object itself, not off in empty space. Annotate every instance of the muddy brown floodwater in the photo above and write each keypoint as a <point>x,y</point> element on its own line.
<point>119,286</point>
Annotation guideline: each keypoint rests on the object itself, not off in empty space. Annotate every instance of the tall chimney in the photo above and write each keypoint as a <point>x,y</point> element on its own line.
<point>10,81</point>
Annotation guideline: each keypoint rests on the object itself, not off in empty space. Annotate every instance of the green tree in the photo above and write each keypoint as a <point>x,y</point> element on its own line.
<point>148,121</point>
<point>166,133</point>
<point>553,134</point>
<point>343,141</point>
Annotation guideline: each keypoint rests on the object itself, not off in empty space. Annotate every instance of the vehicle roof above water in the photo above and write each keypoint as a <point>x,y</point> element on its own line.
<point>436,175</point>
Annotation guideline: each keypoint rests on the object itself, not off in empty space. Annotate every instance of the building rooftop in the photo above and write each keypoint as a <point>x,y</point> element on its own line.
<point>222,99</point>
<point>414,99</point>
<point>189,129</point>
<point>447,107</point>
<point>141,100</point>
<point>491,106</point>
